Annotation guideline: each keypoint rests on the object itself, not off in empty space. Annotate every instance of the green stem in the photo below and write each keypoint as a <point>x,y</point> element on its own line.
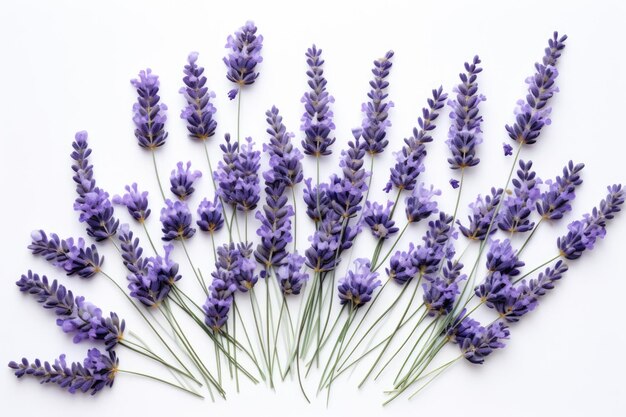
<point>154,378</point>
<point>195,271</point>
<point>295,220</point>
<point>143,223</point>
<point>392,247</point>
<point>519,252</point>
<point>156,172</point>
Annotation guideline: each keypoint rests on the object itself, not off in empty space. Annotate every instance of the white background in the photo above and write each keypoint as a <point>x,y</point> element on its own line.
<point>66,67</point>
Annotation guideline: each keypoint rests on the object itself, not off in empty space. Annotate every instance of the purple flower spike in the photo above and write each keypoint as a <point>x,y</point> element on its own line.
<point>328,243</point>
<point>409,161</point>
<point>378,218</point>
<point>284,158</point>
<point>555,202</point>
<point>96,372</point>
<point>317,120</point>
<point>149,115</point>
<point>515,210</point>
<point>476,342</point>
<point>75,315</point>
<point>74,259</point>
<point>199,111</point>
<point>347,193</point>
<point>83,170</point>
<point>135,201</point>
<point>401,268</point>
<point>218,303</point>
<point>176,221</point>
<point>316,199</point>
<point>131,251</point>
<point>465,132</point>
<point>583,233</point>
<point>482,216</point>
<point>245,53</point>
<point>532,114</point>
<point>437,246</point>
<point>440,293</point>
<point>357,287</point>
<point>289,275</point>
<point>96,211</point>
<point>210,214</point>
<point>376,111</point>
<point>420,204</point>
<point>182,180</point>
<point>237,175</point>
<point>502,258</point>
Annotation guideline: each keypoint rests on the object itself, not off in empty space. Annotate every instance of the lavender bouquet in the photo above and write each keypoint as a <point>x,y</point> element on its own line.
<point>309,313</point>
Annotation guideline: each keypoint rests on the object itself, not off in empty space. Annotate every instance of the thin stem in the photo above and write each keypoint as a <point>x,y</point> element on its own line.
<point>154,378</point>
<point>198,277</point>
<point>156,172</point>
<point>536,268</point>
<point>295,220</point>
<point>208,159</point>
<point>143,223</point>
<point>239,113</point>
<point>519,252</point>
<point>392,247</point>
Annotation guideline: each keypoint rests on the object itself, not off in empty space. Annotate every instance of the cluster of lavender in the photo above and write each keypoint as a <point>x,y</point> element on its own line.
<point>74,258</point>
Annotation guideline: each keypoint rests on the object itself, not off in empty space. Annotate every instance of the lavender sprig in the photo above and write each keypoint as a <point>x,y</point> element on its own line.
<point>245,53</point>
<point>516,209</point>
<point>73,258</point>
<point>199,111</point>
<point>96,372</point>
<point>176,221</point>
<point>75,315</point>
<point>135,201</point>
<point>375,123</point>
<point>237,175</point>
<point>555,202</point>
<point>149,113</point>
<point>532,114</point>
<point>465,132</point>
<point>483,211</point>
<point>182,179</point>
<point>289,275</point>
<point>357,287</point>
<point>317,120</point>
<point>409,161</point>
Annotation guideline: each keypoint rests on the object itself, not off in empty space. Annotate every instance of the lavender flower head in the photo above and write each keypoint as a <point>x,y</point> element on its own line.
<point>502,258</point>
<point>218,303</point>
<point>378,218</point>
<point>289,275</point>
<point>74,258</point>
<point>83,170</point>
<point>441,293</point>
<point>74,315</point>
<point>480,221</point>
<point>409,161</point>
<point>465,132</point>
<point>357,287</point>
<point>532,114</point>
<point>438,246</point>
<point>401,268</point>
<point>182,180</point>
<point>475,341</point>
<point>284,158</point>
<point>376,111</point>
<point>135,201</point>
<point>96,372</point>
<point>210,213</point>
<point>584,233</point>
<point>516,209</point>
<point>237,175</point>
<point>176,221</point>
<point>149,115</point>
<point>317,120</point>
<point>420,205</point>
<point>245,53</point>
<point>199,111</point>
<point>556,200</point>
<point>316,199</point>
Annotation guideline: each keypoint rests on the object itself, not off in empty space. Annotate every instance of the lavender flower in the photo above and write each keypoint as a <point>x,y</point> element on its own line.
<point>401,268</point>
<point>583,233</point>
<point>176,221</point>
<point>233,265</point>
<point>454,183</point>
<point>507,149</point>
<point>96,211</point>
<point>440,293</point>
<point>317,120</point>
<point>328,243</point>
<point>316,199</point>
<point>502,258</point>
<point>513,217</point>
<point>83,170</point>
<point>182,180</point>
<point>420,204</point>
<point>75,315</point>
<point>532,114</point>
<point>555,202</point>
<point>358,286</point>
<point>378,218</point>
<point>524,298</point>
<point>199,111</point>
<point>135,201</point>
<point>376,111</point>
<point>409,161</point>
<point>465,132</point>
<point>96,372</point>
<point>494,289</point>
<point>284,158</point>
<point>289,275</point>
<point>132,252</point>
<point>482,216</point>
<point>149,115</point>
<point>237,175</point>
<point>74,259</point>
<point>210,214</point>
<point>152,283</point>
<point>346,193</point>
<point>437,246</point>
<point>245,54</point>
<point>218,303</point>
<point>483,341</point>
